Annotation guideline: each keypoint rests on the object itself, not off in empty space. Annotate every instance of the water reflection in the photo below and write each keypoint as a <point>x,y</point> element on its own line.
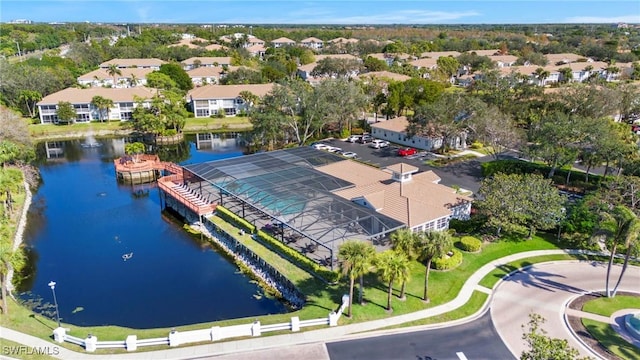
<point>83,222</point>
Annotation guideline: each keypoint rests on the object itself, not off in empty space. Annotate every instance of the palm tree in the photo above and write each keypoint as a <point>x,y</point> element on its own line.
<point>433,244</point>
<point>133,80</point>
<point>392,266</point>
<point>102,104</point>
<point>404,241</point>
<point>541,74</point>
<point>355,260</point>
<point>566,73</point>
<point>112,71</point>
<point>619,226</point>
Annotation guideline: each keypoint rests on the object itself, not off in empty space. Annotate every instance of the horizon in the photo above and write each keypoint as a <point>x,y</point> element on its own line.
<point>323,13</point>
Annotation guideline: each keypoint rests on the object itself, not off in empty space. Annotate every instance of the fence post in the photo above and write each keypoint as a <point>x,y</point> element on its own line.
<point>174,338</point>
<point>255,329</point>
<point>90,343</point>
<point>333,318</point>
<point>131,343</point>
<point>59,334</point>
<point>215,333</point>
<point>295,323</point>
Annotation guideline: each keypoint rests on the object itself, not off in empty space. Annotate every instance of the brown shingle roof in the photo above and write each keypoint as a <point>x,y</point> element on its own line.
<point>101,74</point>
<point>283,40</point>
<point>397,124</point>
<point>209,71</point>
<point>385,74</point>
<point>311,40</point>
<point>402,168</point>
<point>437,54</point>
<point>221,60</point>
<point>228,91</point>
<point>428,63</point>
<point>84,96</point>
<point>566,57</point>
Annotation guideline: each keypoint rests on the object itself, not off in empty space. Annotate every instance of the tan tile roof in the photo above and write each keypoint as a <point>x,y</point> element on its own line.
<point>187,43</point>
<point>485,52</point>
<point>132,62</point>
<point>84,96</point>
<point>428,63</point>
<point>215,47</point>
<point>311,40</point>
<point>567,57</point>
<point>413,202</point>
<point>283,40</point>
<point>228,91</point>
<point>256,49</point>
<point>385,74</point>
<point>221,60</point>
<point>402,168</point>
<point>437,54</point>
<point>342,40</point>
<point>397,124</point>
<point>336,56</point>
<point>126,73</point>
<point>504,58</point>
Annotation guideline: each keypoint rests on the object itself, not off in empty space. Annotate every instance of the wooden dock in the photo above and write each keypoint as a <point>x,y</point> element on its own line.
<point>147,168</point>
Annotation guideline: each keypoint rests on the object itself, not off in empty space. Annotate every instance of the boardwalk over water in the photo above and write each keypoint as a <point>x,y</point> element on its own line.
<point>149,167</point>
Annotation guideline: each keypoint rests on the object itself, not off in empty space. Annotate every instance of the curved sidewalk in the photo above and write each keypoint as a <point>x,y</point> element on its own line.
<point>340,332</point>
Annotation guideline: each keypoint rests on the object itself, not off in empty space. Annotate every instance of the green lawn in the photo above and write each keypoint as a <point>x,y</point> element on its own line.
<point>321,298</point>
<point>610,339</point>
<point>607,306</point>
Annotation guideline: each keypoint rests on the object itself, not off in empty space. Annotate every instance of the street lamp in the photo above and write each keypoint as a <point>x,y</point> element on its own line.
<point>52,285</point>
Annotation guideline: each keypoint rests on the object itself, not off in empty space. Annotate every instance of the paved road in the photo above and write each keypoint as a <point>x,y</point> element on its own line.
<point>545,289</point>
<point>476,340</point>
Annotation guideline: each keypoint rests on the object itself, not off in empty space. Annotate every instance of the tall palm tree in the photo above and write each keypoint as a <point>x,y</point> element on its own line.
<point>133,80</point>
<point>566,73</point>
<point>102,104</point>
<point>619,226</point>
<point>433,244</point>
<point>355,260</point>
<point>541,74</point>
<point>404,241</point>
<point>112,71</point>
<point>392,266</point>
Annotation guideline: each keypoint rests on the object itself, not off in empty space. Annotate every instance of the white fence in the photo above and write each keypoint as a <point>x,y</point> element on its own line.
<point>216,333</point>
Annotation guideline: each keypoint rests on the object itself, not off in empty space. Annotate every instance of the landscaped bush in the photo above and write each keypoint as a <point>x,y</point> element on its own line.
<point>448,262</point>
<point>303,261</point>
<point>234,219</point>
<point>169,132</point>
<point>476,145</point>
<point>467,226</point>
<point>470,244</point>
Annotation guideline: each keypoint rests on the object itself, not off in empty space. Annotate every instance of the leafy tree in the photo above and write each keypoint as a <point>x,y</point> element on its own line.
<point>134,149</point>
<point>243,76</point>
<point>392,266</point>
<point>628,101</point>
<point>343,102</point>
<point>178,75</point>
<point>448,66</point>
<point>432,244</point>
<point>336,68</point>
<point>513,202</point>
<point>475,62</point>
<point>618,226</point>
<point>497,131</point>
<point>66,112</point>
<point>158,80</point>
<point>9,259</point>
<point>541,346</point>
<point>566,74</point>
<point>355,260</point>
<point>103,105</point>
<point>373,64</point>
<point>541,75</point>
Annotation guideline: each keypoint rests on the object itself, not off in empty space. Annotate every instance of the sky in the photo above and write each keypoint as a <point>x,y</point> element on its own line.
<point>323,12</point>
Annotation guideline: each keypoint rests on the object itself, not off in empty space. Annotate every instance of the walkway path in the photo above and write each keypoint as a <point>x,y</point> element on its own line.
<point>342,332</point>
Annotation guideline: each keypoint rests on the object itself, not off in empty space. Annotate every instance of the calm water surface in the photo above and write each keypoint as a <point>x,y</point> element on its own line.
<point>82,222</point>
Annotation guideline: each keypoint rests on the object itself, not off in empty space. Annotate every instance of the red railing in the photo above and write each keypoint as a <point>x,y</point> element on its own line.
<point>167,184</point>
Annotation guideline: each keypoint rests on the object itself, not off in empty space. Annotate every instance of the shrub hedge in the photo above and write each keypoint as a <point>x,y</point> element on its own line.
<point>447,262</point>
<point>470,244</point>
<point>235,220</point>
<point>303,261</point>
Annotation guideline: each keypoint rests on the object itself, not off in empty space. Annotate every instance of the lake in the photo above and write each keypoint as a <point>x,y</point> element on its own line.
<point>116,258</point>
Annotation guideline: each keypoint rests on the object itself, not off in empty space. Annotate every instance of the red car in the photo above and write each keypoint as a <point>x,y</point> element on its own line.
<point>407,151</point>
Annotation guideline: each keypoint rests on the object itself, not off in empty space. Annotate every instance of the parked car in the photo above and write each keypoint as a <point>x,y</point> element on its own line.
<point>320,146</point>
<point>407,151</point>
<point>354,138</point>
<point>349,154</point>
<point>378,144</point>
<point>333,149</point>
<point>365,139</point>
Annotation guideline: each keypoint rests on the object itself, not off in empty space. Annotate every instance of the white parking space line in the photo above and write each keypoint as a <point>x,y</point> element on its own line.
<point>461,355</point>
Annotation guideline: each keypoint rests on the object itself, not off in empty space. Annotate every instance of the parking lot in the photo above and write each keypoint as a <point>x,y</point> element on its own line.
<point>465,174</point>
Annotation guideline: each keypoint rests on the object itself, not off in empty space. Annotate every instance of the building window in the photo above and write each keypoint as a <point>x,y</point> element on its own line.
<point>48,119</point>
<point>202,112</point>
<point>126,106</point>
<point>213,102</point>
<point>443,223</point>
<point>202,103</point>
<point>83,117</point>
<point>126,115</point>
<point>239,101</point>
<point>230,111</point>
